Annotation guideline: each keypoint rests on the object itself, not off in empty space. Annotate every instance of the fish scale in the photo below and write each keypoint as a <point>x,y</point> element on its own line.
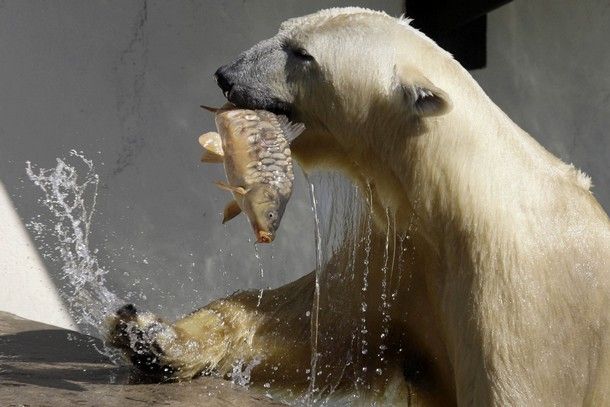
<point>266,142</point>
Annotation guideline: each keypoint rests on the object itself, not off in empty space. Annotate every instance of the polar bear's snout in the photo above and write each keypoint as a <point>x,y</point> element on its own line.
<point>223,81</point>
<point>256,79</point>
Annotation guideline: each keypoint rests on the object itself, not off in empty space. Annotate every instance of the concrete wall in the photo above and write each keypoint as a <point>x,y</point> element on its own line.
<point>122,81</point>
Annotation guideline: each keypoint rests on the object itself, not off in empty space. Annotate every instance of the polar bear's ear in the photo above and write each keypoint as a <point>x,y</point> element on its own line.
<point>424,98</point>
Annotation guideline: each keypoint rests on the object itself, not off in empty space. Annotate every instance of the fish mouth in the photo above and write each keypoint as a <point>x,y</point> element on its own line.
<point>264,237</point>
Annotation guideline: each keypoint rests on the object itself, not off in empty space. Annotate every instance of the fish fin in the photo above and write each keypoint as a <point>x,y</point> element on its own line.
<point>230,188</point>
<point>231,210</point>
<point>223,108</point>
<point>290,130</point>
<point>212,143</point>
<point>209,157</point>
<point>210,109</point>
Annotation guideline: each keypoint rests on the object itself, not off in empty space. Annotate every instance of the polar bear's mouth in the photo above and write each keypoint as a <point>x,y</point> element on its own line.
<point>258,101</point>
<point>247,97</point>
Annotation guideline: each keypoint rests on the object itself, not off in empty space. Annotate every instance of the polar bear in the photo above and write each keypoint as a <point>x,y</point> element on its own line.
<point>505,290</point>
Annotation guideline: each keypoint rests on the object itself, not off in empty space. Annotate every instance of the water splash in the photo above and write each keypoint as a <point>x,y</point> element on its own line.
<point>241,372</point>
<point>69,193</point>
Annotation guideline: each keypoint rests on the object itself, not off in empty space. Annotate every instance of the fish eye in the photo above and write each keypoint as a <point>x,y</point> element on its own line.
<point>271,215</point>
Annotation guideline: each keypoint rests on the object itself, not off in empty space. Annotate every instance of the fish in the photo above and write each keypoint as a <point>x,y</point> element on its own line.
<point>254,146</point>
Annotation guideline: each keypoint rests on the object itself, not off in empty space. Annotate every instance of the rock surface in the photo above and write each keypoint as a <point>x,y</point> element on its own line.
<point>42,365</point>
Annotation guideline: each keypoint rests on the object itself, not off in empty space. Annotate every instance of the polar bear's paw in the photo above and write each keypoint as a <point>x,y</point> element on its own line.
<point>142,336</point>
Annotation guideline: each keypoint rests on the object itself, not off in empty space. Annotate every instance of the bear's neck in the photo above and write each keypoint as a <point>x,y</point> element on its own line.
<point>480,190</point>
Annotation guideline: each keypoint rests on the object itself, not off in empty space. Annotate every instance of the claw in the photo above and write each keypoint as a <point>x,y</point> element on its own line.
<point>127,311</point>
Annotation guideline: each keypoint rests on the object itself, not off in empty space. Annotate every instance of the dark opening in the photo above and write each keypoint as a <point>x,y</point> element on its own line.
<point>460,27</point>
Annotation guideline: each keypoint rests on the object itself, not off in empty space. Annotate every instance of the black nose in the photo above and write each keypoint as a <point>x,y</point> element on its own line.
<point>223,81</point>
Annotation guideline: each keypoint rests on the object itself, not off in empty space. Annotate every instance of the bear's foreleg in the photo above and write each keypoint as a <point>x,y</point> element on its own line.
<point>267,339</point>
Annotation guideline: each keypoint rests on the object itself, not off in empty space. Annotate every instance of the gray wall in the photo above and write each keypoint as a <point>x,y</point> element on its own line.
<point>122,81</point>
<point>549,70</point>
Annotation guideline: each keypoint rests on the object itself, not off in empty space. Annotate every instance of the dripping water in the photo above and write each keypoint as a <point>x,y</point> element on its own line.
<point>316,303</point>
<point>261,270</point>
<point>385,301</point>
<point>365,278</point>
<point>345,237</point>
<point>343,224</point>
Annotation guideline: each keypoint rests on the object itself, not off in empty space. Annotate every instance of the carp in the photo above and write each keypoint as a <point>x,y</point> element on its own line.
<point>254,146</point>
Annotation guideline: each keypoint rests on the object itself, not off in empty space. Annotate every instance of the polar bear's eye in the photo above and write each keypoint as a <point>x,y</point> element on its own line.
<point>302,53</point>
<point>296,50</point>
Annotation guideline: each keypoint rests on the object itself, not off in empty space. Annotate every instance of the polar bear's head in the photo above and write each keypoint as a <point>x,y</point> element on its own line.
<point>337,71</point>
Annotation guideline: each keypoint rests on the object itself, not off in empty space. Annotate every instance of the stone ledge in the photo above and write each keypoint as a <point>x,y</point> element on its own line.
<point>42,365</point>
